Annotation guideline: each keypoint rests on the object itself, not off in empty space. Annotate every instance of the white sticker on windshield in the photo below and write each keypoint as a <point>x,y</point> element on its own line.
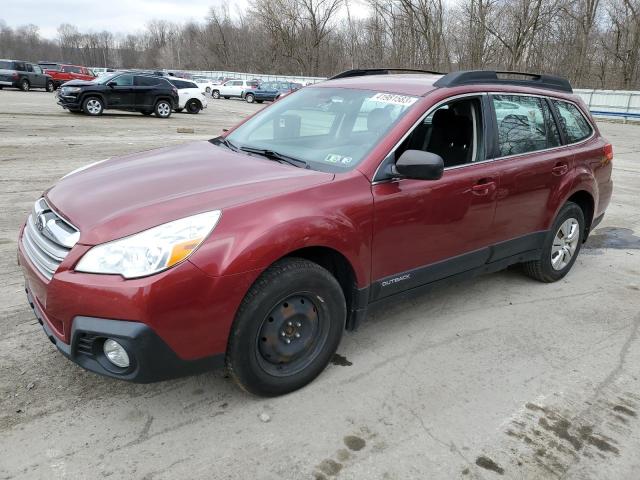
<point>394,99</point>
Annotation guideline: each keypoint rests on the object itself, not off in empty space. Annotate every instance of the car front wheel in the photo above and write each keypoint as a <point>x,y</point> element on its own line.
<point>50,86</point>
<point>561,247</point>
<point>215,94</point>
<point>163,109</point>
<point>93,106</point>
<point>287,328</point>
<point>249,97</point>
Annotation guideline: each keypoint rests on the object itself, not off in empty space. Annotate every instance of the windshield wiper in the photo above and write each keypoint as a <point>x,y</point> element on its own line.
<point>226,143</point>
<point>272,155</point>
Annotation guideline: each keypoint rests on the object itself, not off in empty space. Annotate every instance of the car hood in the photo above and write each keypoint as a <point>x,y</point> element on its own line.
<point>79,83</point>
<point>128,194</point>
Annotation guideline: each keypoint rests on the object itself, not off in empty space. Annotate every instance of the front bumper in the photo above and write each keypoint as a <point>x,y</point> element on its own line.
<point>67,101</point>
<point>151,358</point>
<point>177,319</point>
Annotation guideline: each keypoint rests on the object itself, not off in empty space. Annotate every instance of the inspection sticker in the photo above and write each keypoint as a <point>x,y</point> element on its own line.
<point>394,99</point>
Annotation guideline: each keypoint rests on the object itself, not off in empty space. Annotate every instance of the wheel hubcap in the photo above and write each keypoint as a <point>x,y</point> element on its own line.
<point>163,109</point>
<point>565,244</point>
<point>291,336</point>
<point>94,107</point>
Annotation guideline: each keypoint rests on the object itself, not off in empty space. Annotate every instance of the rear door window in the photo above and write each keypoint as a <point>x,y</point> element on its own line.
<point>147,81</point>
<point>572,121</point>
<point>523,124</point>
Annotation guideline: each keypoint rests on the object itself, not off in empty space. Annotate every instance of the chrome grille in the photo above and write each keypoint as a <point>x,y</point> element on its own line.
<point>47,238</point>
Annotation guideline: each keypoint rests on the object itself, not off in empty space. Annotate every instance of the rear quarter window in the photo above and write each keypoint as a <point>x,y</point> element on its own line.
<point>572,121</point>
<point>6,65</point>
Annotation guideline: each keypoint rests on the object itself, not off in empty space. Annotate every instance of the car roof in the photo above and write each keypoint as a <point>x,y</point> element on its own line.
<point>401,83</point>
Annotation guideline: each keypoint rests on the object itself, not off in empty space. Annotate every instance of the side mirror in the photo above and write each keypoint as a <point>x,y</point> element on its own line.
<point>420,165</point>
<point>112,84</point>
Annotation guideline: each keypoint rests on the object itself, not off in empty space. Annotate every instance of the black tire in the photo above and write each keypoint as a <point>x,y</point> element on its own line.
<point>25,85</point>
<point>93,106</point>
<point>50,86</point>
<point>215,94</point>
<point>250,97</point>
<point>163,109</point>
<point>276,347</point>
<point>147,112</point>
<point>543,269</point>
<point>193,106</point>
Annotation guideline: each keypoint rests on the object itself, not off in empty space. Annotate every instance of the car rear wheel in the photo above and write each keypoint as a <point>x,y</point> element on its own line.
<point>193,106</point>
<point>215,94</point>
<point>250,97</point>
<point>25,85</point>
<point>163,109</point>
<point>50,86</point>
<point>208,89</point>
<point>93,106</point>
<point>561,247</point>
<point>287,328</point>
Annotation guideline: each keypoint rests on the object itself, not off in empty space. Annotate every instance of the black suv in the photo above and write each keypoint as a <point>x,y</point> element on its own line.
<point>24,75</point>
<point>130,91</point>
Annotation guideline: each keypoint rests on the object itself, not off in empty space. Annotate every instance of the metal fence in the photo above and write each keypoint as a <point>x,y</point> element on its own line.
<point>623,104</point>
<point>217,74</point>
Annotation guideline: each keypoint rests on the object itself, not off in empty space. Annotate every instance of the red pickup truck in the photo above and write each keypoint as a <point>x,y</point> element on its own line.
<point>69,72</point>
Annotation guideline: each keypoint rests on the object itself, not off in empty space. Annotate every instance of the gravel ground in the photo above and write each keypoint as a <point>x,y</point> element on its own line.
<point>497,377</point>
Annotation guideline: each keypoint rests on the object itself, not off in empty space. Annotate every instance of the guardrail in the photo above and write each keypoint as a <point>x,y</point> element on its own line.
<point>623,104</point>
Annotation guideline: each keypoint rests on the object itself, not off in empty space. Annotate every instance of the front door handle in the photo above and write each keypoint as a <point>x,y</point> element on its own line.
<point>483,187</point>
<point>560,169</point>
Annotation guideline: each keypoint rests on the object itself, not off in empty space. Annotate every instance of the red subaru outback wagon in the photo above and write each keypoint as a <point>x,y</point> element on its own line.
<point>257,249</point>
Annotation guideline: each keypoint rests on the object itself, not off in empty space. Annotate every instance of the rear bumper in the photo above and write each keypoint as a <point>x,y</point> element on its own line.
<point>151,358</point>
<point>6,83</point>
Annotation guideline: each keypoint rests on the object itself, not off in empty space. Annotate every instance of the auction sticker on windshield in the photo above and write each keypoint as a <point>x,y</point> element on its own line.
<point>394,99</point>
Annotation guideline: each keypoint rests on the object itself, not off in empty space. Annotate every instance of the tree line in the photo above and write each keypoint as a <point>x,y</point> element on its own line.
<point>595,43</point>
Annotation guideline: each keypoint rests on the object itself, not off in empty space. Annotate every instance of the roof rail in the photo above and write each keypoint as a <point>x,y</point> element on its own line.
<point>468,77</point>
<point>360,72</point>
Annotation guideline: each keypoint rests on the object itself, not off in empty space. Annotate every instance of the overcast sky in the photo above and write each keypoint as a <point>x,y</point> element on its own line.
<point>117,16</point>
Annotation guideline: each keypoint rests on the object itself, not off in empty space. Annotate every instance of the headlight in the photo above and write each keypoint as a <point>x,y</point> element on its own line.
<point>150,251</point>
<point>67,90</point>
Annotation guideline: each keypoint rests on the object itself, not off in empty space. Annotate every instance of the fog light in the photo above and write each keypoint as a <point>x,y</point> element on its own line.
<point>116,353</point>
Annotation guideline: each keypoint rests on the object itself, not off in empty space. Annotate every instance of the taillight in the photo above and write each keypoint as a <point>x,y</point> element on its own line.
<point>14,74</point>
<point>607,153</point>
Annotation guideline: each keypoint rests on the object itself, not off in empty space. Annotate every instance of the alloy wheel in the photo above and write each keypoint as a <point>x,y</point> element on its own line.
<point>565,243</point>
<point>93,106</point>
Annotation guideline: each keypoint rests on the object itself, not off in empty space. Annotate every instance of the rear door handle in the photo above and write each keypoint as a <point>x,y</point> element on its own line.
<point>560,169</point>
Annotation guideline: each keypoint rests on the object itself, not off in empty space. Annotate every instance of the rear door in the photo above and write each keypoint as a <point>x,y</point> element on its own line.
<point>145,91</point>
<point>36,81</point>
<point>534,171</point>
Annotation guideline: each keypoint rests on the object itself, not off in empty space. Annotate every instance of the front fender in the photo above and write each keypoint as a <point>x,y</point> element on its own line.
<point>251,237</point>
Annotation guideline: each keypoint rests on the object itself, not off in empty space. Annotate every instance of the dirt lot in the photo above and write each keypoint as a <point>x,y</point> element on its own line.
<point>495,377</point>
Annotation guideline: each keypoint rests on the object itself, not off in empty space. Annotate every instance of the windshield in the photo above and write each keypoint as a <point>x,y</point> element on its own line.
<point>332,129</point>
<point>107,77</point>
